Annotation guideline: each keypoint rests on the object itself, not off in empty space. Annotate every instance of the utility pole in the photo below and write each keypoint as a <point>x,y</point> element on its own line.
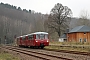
<point>14,40</point>
<point>0,40</point>
<point>5,40</point>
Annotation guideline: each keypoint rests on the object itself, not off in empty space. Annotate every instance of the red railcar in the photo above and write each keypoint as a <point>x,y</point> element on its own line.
<point>37,39</point>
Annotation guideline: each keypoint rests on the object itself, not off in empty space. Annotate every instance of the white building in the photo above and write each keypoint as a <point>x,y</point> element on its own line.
<point>63,38</point>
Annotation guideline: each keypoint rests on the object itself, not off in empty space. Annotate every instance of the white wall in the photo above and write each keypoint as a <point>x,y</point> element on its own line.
<point>61,39</point>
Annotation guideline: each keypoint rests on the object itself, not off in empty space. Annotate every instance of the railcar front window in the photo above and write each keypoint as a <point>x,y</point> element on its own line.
<point>46,36</point>
<point>41,36</point>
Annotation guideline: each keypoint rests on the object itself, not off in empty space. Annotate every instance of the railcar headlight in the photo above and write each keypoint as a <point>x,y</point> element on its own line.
<point>47,41</point>
<point>36,41</point>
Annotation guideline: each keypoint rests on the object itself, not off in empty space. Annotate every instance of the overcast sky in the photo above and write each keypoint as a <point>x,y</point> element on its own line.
<point>45,6</point>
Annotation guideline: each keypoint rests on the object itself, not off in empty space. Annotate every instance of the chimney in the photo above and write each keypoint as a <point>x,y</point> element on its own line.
<point>67,30</point>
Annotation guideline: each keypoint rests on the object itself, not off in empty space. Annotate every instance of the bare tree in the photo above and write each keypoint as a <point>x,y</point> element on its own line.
<point>58,18</point>
<point>84,19</point>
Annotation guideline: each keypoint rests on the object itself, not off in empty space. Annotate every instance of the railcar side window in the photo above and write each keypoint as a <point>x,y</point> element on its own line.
<point>30,37</point>
<point>18,38</point>
<point>23,38</point>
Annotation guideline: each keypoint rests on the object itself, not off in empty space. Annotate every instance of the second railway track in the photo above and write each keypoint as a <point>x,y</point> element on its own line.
<point>71,52</point>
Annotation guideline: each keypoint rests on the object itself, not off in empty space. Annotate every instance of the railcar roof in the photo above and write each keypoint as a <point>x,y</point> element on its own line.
<point>38,33</point>
<point>19,36</point>
<point>25,35</point>
<point>34,33</point>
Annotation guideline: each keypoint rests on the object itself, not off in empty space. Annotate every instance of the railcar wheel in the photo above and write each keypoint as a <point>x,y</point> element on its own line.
<point>30,46</point>
<point>26,46</point>
<point>19,46</point>
<point>42,47</point>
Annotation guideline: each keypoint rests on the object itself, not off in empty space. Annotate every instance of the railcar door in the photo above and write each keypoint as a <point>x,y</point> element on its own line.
<point>20,41</point>
<point>30,40</point>
<point>23,40</point>
<point>26,41</point>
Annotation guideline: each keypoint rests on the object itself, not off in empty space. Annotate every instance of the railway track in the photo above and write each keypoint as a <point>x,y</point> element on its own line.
<point>71,52</point>
<point>39,55</point>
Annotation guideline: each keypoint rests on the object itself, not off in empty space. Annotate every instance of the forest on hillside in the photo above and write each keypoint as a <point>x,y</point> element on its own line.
<point>15,21</point>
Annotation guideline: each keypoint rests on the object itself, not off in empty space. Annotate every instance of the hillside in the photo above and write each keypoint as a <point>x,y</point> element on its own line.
<point>16,21</point>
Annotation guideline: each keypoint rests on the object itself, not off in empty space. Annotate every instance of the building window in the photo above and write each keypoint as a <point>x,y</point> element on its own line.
<point>80,40</point>
<point>85,40</point>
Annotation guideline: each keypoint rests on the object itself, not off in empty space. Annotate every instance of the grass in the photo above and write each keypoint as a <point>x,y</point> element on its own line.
<point>69,43</point>
<point>81,49</point>
<point>7,56</point>
<point>69,48</point>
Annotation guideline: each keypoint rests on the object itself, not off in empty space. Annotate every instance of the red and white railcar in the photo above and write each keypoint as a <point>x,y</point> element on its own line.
<point>37,39</point>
